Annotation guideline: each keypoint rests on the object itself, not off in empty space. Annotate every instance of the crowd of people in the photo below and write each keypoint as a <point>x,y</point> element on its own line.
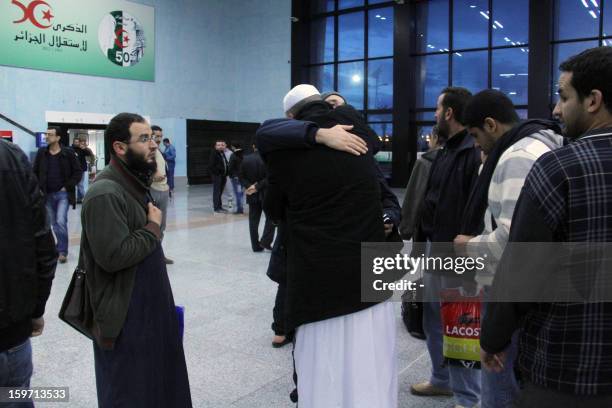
<point>489,179</point>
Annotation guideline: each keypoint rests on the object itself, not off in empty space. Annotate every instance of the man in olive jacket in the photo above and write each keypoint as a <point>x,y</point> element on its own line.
<point>139,357</point>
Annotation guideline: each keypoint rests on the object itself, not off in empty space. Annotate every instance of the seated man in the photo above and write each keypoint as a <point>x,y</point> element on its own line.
<point>330,203</point>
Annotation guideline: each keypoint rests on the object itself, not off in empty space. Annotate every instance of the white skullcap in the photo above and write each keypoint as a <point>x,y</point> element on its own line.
<point>291,102</point>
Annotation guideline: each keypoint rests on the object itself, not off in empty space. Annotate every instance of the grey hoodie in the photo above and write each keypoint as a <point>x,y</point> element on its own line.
<point>504,190</point>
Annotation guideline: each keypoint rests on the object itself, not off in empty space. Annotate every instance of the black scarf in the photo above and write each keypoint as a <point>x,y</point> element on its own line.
<point>479,197</point>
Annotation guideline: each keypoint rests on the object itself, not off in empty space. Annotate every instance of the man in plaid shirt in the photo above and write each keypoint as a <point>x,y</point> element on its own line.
<point>565,350</point>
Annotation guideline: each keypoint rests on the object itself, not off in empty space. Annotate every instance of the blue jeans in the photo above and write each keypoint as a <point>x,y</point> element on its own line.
<point>83,185</point>
<point>464,382</point>
<point>170,173</point>
<point>57,211</point>
<point>500,390</point>
<point>238,193</point>
<point>16,370</point>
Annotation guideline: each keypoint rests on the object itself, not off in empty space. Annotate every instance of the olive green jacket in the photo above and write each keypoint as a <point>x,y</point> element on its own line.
<point>116,237</point>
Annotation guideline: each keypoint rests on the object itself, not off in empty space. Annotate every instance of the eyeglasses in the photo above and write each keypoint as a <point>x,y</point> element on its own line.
<point>142,139</point>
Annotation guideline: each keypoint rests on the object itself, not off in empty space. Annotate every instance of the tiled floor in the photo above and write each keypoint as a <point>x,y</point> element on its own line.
<point>228,301</point>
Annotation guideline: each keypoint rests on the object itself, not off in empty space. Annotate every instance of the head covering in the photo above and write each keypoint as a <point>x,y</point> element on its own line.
<point>299,96</point>
<point>325,95</point>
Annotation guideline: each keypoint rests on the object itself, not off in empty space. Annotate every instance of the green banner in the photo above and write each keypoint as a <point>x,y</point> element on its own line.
<point>110,38</point>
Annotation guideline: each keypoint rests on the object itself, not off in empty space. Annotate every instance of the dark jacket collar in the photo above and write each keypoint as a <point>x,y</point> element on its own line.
<point>596,132</point>
<point>127,178</point>
<point>461,141</point>
<point>313,109</point>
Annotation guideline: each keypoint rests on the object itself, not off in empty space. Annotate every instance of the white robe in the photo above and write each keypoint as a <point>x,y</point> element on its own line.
<point>348,361</point>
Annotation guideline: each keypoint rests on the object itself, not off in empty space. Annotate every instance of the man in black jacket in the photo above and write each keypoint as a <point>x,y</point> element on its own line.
<point>450,181</point>
<point>254,179</point>
<point>330,202</point>
<point>218,169</point>
<point>27,265</point>
<point>58,171</point>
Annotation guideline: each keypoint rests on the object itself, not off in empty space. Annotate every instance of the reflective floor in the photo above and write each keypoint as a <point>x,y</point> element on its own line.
<point>228,303</point>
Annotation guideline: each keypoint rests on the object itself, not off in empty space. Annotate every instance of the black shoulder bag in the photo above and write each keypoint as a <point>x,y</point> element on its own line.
<point>76,308</point>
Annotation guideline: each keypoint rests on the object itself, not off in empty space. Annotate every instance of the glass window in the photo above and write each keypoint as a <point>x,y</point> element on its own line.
<point>321,6</point>
<point>432,25</point>
<point>380,84</point>
<point>470,24</point>
<point>429,116</point>
<point>350,36</point>
<point>377,1</point>
<point>432,77</point>
<point>561,52</point>
<point>522,113</point>
<point>322,40</point>
<point>384,117</point>
<point>423,136</point>
<point>322,77</point>
<point>607,28</point>
<point>343,4</point>
<point>380,32</point>
<point>384,131</point>
<point>576,19</point>
<point>350,83</point>
<point>470,70</point>
<point>510,22</point>
<point>510,73</point>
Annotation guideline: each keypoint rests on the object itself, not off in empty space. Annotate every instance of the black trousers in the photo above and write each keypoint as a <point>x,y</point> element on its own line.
<point>218,186</point>
<point>255,210</point>
<point>278,313</point>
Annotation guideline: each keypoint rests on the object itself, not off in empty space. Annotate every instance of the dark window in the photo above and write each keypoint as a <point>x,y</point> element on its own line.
<point>563,51</point>
<point>510,73</point>
<point>510,22</point>
<point>576,19</point>
<point>607,28</point>
<point>432,26</point>
<point>470,70</point>
<point>385,117</point>
<point>380,84</point>
<point>470,24</point>
<point>322,77</point>
<point>428,116</point>
<point>350,36</point>
<point>342,4</point>
<point>377,1</point>
<point>350,82</point>
<point>380,32</point>
<point>432,77</point>
<point>322,40</point>
<point>321,6</point>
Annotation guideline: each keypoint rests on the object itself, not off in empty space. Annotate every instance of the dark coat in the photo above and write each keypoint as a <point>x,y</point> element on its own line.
<point>330,201</point>
<point>217,165</point>
<point>27,254</point>
<point>234,163</point>
<point>454,172</point>
<point>69,167</point>
<point>253,171</point>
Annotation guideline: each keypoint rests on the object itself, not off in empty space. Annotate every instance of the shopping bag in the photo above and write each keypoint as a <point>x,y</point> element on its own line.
<point>461,327</point>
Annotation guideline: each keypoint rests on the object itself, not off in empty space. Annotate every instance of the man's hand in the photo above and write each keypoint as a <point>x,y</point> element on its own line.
<point>154,214</point>
<point>251,190</point>
<point>460,242</point>
<point>338,138</point>
<point>493,362</point>
<point>38,325</point>
<point>388,229</point>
